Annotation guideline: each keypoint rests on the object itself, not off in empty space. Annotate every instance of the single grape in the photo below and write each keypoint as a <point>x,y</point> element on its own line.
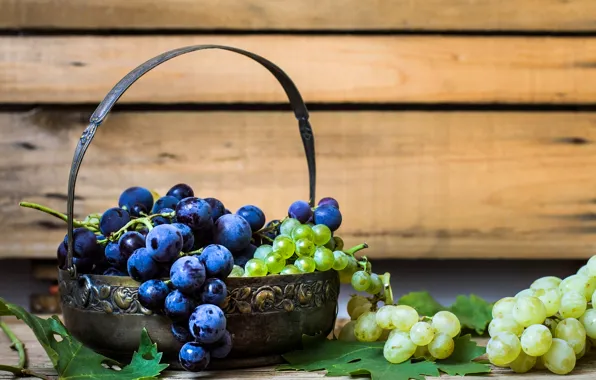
<point>85,244</point>
<point>366,329</point>
<point>525,293</point>
<point>523,363</point>
<point>305,264</point>
<point>376,284</point>
<point>180,332</point>
<point>188,238</point>
<point>141,266</point>
<point>152,294</point>
<point>442,346</point>
<point>324,259</point>
<point>303,232</point>
<point>284,246</point>
<point>588,320</point>
<point>263,251</point>
<point>536,340</point>
<point>591,264</point>
<point>129,242</point>
<point>217,208</point>
<point>113,256</point>
<point>361,281</point>
<point>233,232</point>
<point>573,332</point>
<point>347,332</point>
<point>222,347</point>
<point>546,283</point>
<point>560,358</point>
<point>288,225</point>
<point>404,317</point>
<point>584,271</point>
<point>195,213</point>
<point>275,262</point>
<point>237,271</point>
<point>112,220</point>
<point>207,324</point>
<point>551,298</point>
<point>340,260</point>
<point>136,196</point>
<point>329,216</point>
<point>305,247</point>
<point>164,202</point>
<point>503,348</point>
<point>529,311</point>
<point>331,244</point>
<point>578,283</point>
<point>504,324</point>
<point>178,306</point>
<point>345,275</point>
<point>164,243</point>
<point>253,215</point>
<point>301,211</point>
<point>354,302</point>
<point>321,234</point>
<point>573,304</point>
<point>446,322</point>
<point>422,333</point>
<point>384,315</point>
<point>339,243</point>
<point>290,269</point>
<point>213,292</point>
<point>503,307</point>
<point>218,261</point>
<point>398,348</point>
<point>193,357</point>
<point>328,201</point>
<point>181,191</point>
<point>255,268</point>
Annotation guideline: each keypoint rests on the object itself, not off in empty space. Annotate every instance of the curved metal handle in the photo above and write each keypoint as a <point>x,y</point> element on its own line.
<point>112,97</point>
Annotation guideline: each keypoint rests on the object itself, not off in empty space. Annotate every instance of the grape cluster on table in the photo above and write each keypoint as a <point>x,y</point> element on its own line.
<point>551,325</point>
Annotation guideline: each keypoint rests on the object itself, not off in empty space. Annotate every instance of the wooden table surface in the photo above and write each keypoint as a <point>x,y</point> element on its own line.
<point>40,363</point>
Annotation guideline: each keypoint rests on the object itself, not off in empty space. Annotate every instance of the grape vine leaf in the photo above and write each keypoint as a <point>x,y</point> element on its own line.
<point>73,361</point>
<point>341,358</point>
<point>423,302</point>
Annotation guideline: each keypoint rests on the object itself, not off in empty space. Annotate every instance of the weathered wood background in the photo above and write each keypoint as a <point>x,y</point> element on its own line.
<point>446,129</point>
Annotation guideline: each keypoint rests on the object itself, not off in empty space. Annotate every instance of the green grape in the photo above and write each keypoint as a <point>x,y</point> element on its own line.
<point>330,244</point>
<point>275,262</point>
<point>354,302</point>
<point>589,322</point>
<point>340,260</point>
<point>404,317</point>
<point>529,311</point>
<point>525,293</point>
<point>578,283</point>
<point>284,246</point>
<point>442,346</point>
<point>547,282</point>
<point>591,264</point>
<point>573,305</point>
<point>422,353</point>
<point>324,259</point>
<point>345,275</point>
<point>503,348</point>
<point>551,324</point>
<point>590,287</point>
<point>263,251</point>
<point>503,307</point>
<point>572,332</point>
<point>305,264</point>
<point>305,247</point>
<point>399,348</point>
<point>504,324</point>
<point>288,225</point>
<point>422,333</point>
<point>560,358</point>
<point>376,284</point>
<point>385,317</point>
<point>536,340</point>
<point>255,268</point>
<point>360,281</point>
<point>346,333</point>
<point>321,234</point>
<point>290,269</point>
<point>594,299</point>
<point>539,363</point>
<point>523,363</point>
<point>339,243</point>
<point>446,322</point>
<point>584,271</point>
<point>366,329</point>
<point>237,271</point>
<point>551,298</point>
<point>586,348</point>
<point>302,232</point>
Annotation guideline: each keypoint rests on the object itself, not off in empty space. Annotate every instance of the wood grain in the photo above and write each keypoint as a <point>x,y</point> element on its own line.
<point>411,184</point>
<point>344,69</point>
<point>542,15</point>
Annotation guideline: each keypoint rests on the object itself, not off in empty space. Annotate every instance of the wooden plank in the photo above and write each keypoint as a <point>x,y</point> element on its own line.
<point>373,69</point>
<point>543,15</point>
<point>411,184</point>
<point>38,361</point>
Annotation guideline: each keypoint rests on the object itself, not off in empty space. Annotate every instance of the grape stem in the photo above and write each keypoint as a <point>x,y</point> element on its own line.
<point>57,214</point>
<point>198,251</point>
<point>146,221</point>
<point>356,248</point>
<point>388,292</point>
<point>272,227</point>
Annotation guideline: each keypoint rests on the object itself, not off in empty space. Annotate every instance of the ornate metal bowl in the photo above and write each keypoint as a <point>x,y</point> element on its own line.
<point>266,316</point>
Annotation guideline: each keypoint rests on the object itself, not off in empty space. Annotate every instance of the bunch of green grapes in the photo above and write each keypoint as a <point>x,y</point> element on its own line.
<point>550,325</point>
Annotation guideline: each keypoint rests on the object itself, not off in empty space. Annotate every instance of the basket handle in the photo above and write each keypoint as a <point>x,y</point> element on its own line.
<point>116,92</point>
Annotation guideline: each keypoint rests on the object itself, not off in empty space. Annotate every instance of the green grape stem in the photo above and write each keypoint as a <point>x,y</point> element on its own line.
<point>387,290</point>
<point>272,227</point>
<point>356,248</point>
<point>197,252</point>
<point>58,214</point>
<point>145,221</point>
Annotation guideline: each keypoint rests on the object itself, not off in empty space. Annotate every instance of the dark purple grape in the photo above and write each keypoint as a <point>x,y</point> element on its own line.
<point>181,191</point>
<point>193,357</point>
<point>181,333</point>
<point>329,216</point>
<point>114,272</point>
<point>300,210</point>
<point>138,210</point>
<point>179,306</point>
<point>218,261</point>
<point>222,347</point>
<point>141,267</point>
<point>188,274</point>
<point>217,208</point>
<point>100,266</point>
<point>214,292</point>
<point>195,213</point>
<point>253,215</point>
<point>164,243</point>
<point>240,258</point>
<point>202,238</point>
<point>159,220</point>
<point>226,212</point>
<point>62,255</point>
<point>143,231</point>
<point>152,294</point>
<point>83,265</point>
<point>85,244</point>
<point>188,238</point>
<point>329,201</point>
<point>129,242</point>
<point>136,196</point>
<point>233,232</point>
<point>274,232</point>
<point>112,220</point>
<point>207,324</point>
<point>164,202</point>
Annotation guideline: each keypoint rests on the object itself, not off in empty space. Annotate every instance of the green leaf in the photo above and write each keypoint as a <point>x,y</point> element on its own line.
<point>73,361</point>
<point>473,312</point>
<point>341,358</point>
<point>423,302</point>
